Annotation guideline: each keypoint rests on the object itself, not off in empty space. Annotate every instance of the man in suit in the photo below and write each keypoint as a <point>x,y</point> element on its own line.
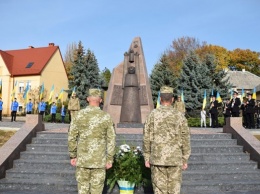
<point>235,103</point>
<point>250,104</point>
<point>214,112</point>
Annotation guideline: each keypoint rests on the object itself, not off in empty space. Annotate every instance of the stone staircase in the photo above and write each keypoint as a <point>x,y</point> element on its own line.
<point>217,165</point>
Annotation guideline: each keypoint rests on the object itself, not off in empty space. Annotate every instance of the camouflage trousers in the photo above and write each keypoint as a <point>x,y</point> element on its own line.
<point>90,180</point>
<point>73,114</point>
<point>166,179</point>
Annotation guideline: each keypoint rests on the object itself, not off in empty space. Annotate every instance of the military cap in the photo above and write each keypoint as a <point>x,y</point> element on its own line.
<point>95,92</point>
<point>235,92</point>
<point>211,95</point>
<point>249,93</point>
<point>166,90</point>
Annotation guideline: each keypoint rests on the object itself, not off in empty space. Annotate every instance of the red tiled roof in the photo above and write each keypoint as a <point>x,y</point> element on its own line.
<point>8,59</point>
<point>17,60</point>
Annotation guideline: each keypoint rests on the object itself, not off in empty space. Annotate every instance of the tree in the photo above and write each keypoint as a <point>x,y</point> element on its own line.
<point>85,72</point>
<point>245,59</point>
<point>190,80</point>
<point>161,75</point>
<point>219,80</point>
<point>105,76</point>
<point>179,49</point>
<point>221,54</point>
<point>68,59</point>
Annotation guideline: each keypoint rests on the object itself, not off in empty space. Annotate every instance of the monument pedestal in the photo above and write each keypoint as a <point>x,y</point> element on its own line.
<point>129,130</point>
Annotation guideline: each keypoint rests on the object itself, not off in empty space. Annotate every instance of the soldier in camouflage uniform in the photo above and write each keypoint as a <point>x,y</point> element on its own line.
<point>166,145</point>
<point>91,142</point>
<point>73,106</point>
<point>179,105</point>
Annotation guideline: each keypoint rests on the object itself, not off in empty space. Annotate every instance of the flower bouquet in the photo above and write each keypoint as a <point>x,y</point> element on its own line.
<point>128,166</point>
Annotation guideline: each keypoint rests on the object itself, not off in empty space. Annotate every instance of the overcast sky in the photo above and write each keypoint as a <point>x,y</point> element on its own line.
<point>108,27</point>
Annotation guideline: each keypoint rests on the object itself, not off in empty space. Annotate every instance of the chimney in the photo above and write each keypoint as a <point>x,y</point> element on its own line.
<point>31,47</point>
<point>51,44</point>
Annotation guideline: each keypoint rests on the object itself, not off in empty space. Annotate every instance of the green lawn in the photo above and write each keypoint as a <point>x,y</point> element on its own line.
<point>5,136</point>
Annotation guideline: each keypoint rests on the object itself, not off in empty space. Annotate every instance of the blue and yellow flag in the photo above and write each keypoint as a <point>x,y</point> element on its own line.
<point>1,88</point>
<point>42,91</point>
<point>218,98</point>
<point>14,91</point>
<point>212,94</point>
<point>254,93</point>
<point>242,94</point>
<point>158,100</point>
<point>74,90</point>
<point>204,100</point>
<point>60,97</point>
<point>51,94</point>
<point>231,94</point>
<point>182,95</point>
<point>26,91</point>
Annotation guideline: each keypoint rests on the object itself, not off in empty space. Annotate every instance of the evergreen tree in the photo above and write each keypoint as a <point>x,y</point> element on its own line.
<point>190,81</point>
<point>85,72</point>
<point>219,80</point>
<point>161,75</point>
<point>105,76</point>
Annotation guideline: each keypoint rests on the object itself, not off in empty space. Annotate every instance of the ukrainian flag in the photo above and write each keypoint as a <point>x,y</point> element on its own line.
<point>158,100</point>
<point>254,93</point>
<point>74,90</point>
<point>1,88</point>
<point>242,94</point>
<point>212,94</point>
<point>218,98</point>
<point>42,91</point>
<point>182,95</point>
<point>51,94</point>
<point>25,94</point>
<point>231,94</point>
<point>61,95</point>
<point>204,100</point>
<point>14,91</point>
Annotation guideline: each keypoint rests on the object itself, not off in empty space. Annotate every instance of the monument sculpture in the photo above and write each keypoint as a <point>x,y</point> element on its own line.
<point>129,98</point>
<point>130,110</point>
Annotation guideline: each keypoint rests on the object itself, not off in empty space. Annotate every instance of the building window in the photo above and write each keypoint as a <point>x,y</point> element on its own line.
<point>21,87</point>
<point>29,65</point>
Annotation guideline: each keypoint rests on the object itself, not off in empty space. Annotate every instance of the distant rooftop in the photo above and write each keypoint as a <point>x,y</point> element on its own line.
<point>243,79</point>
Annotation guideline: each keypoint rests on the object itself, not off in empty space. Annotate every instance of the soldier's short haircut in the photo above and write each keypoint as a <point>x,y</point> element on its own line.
<point>166,97</point>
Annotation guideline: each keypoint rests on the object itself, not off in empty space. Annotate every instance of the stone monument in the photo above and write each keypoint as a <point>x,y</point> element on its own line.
<point>129,98</point>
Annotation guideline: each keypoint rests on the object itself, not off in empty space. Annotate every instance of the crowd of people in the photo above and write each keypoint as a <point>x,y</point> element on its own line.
<point>248,108</point>
<point>73,108</point>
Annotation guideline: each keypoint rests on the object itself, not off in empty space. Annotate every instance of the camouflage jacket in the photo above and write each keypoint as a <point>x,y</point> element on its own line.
<point>166,140</point>
<point>91,138</point>
<point>180,106</point>
<point>74,104</point>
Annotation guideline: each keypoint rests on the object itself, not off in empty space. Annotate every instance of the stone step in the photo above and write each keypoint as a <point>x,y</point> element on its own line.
<point>44,134</point>
<point>137,142</point>
<point>25,173</point>
<point>217,149</point>
<point>47,147</point>
<point>220,166</point>
<point>44,164</point>
<point>219,157</point>
<point>45,155</point>
<point>122,137</point>
<point>39,185</point>
<point>192,175</point>
<point>226,186</point>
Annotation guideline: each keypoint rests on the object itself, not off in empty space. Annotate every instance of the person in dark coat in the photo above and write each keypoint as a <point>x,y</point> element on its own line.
<point>235,103</point>
<point>243,108</point>
<point>214,112</point>
<point>227,110</point>
<point>257,113</point>
<point>250,112</point>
